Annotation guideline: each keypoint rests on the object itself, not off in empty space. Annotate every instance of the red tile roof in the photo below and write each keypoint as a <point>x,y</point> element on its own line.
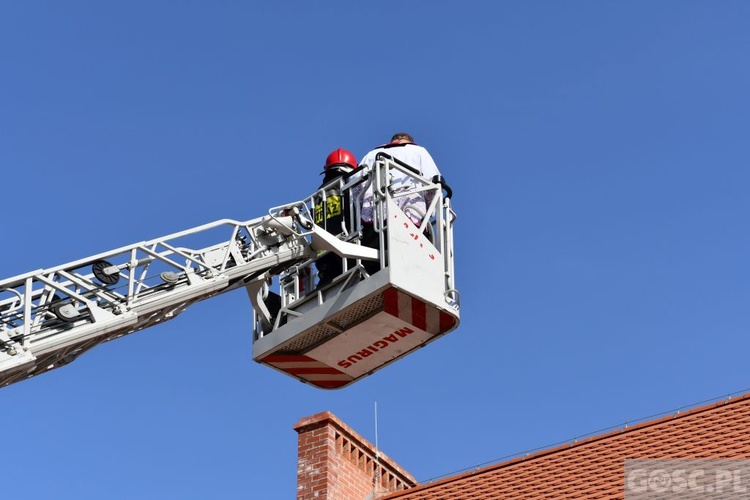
<point>594,468</point>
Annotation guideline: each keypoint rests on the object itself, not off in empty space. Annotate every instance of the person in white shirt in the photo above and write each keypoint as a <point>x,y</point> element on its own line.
<point>402,148</point>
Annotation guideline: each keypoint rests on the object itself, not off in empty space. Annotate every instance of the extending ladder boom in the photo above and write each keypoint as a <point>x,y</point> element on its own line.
<point>50,316</point>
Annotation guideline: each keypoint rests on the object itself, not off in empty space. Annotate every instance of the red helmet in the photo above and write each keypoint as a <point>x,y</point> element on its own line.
<point>341,158</point>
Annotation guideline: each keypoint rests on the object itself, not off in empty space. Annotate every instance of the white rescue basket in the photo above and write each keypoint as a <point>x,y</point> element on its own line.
<point>335,335</point>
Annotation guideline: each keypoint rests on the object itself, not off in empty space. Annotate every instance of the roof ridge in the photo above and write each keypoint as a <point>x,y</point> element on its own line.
<point>587,438</point>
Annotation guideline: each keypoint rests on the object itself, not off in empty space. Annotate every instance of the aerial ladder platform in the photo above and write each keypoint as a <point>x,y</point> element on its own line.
<point>328,336</point>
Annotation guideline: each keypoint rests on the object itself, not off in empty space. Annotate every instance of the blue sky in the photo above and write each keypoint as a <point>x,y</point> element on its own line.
<point>598,155</point>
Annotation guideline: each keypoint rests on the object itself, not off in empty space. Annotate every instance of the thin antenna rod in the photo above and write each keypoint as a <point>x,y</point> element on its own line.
<point>377,450</point>
<point>376,476</point>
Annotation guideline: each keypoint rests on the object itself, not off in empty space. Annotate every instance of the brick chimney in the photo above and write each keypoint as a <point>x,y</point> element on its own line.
<point>335,463</point>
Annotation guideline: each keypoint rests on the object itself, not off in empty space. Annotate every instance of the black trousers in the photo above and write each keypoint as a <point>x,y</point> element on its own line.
<point>370,238</point>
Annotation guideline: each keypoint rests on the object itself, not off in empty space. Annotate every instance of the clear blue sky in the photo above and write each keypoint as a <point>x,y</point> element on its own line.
<point>598,153</point>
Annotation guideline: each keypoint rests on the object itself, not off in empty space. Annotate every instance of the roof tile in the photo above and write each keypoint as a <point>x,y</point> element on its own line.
<point>594,467</point>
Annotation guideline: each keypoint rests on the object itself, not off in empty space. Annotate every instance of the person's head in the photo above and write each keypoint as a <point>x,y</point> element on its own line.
<point>340,160</point>
<point>401,138</point>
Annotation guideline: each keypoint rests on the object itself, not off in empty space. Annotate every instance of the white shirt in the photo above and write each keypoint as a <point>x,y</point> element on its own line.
<point>416,157</point>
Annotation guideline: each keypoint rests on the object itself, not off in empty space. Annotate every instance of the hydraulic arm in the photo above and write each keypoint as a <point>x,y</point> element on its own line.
<point>50,316</point>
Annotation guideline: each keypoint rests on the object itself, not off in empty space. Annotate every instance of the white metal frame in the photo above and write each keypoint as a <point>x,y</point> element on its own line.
<point>50,316</point>
<point>297,288</point>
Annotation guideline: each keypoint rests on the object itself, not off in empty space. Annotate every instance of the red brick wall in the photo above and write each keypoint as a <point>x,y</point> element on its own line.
<point>336,463</point>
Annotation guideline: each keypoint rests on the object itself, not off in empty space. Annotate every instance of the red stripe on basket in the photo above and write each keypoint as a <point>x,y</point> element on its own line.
<point>390,301</point>
<point>288,358</point>
<point>419,314</point>
<point>329,384</point>
<point>446,321</point>
<point>324,370</point>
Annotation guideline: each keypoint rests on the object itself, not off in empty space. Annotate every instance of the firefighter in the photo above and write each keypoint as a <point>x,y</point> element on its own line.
<point>331,212</point>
